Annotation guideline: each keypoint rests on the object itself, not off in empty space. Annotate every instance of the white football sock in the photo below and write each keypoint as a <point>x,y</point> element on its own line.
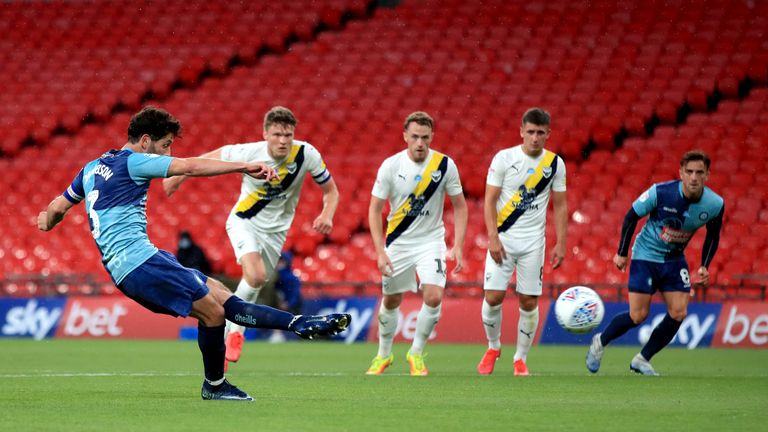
<point>426,321</point>
<point>492,324</point>
<point>387,329</point>
<point>526,332</point>
<point>247,293</point>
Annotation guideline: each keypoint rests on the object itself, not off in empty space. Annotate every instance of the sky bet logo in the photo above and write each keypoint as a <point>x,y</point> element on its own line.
<point>34,318</point>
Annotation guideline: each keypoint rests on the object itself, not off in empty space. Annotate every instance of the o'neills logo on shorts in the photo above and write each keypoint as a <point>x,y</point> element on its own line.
<point>671,235</point>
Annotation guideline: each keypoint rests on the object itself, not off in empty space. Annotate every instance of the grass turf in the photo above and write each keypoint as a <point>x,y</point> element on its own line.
<point>97,385</point>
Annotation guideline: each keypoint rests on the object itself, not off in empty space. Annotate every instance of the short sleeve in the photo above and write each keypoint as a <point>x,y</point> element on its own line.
<point>452,179</point>
<point>558,183</point>
<point>237,153</point>
<point>75,192</point>
<point>646,202</point>
<point>496,171</point>
<point>143,167</point>
<point>383,186</point>
<point>315,165</point>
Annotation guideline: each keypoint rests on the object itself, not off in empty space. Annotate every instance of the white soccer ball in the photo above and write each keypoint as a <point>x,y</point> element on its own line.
<point>579,309</point>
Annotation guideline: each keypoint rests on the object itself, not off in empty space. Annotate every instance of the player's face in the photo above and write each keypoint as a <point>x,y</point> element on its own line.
<point>694,175</point>
<point>161,146</point>
<point>534,138</point>
<point>418,137</point>
<point>279,138</point>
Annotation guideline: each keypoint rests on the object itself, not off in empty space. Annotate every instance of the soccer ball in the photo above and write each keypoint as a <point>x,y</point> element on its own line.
<point>579,309</point>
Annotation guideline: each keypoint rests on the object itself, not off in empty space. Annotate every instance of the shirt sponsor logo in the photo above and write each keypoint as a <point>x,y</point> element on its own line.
<point>671,235</point>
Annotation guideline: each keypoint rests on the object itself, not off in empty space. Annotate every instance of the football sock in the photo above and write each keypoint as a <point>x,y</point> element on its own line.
<point>619,325</point>
<point>211,343</point>
<point>247,293</point>
<point>526,331</point>
<point>252,315</point>
<point>387,329</point>
<point>425,323</point>
<point>660,337</point>
<point>492,323</point>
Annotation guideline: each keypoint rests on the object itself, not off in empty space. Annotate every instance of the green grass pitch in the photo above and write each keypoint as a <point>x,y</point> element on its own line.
<point>92,385</point>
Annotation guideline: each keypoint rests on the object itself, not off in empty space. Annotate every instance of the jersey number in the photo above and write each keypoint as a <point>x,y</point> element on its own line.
<point>440,269</point>
<point>92,215</point>
<point>685,277</point>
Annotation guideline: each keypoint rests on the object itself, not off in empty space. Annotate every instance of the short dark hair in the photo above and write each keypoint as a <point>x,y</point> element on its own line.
<point>279,115</point>
<point>695,155</point>
<point>152,121</point>
<point>536,116</point>
<point>419,117</point>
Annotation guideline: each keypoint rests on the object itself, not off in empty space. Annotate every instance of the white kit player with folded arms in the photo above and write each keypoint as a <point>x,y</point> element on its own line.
<point>259,222</point>
<point>415,181</point>
<point>520,182</point>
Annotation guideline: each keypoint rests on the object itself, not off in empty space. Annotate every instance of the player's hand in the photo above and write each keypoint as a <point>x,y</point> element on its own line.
<point>703,276</point>
<point>384,264</point>
<point>323,224</point>
<point>496,249</point>
<point>620,262</point>
<point>42,221</point>
<point>172,184</point>
<point>558,255</point>
<point>261,171</point>
<point>455,254</point>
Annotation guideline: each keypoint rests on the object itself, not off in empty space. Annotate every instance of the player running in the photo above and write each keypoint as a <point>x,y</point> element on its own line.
<point>677,209</point>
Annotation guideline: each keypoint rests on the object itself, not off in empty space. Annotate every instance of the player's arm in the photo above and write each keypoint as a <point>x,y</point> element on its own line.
<point>203,167</point>
<point>711,241</point>
<point>627,231</point>
<point>376,228</point>
<point>460,216</point>
<point>492,194</point>
<point>173,183</point>
<point>324,222</point>
<point>54,213</point>
<point>560,214</point>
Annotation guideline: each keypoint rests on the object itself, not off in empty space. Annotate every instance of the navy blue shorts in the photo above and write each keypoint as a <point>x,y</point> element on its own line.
<point>164,286</point>
<point>647,277</point>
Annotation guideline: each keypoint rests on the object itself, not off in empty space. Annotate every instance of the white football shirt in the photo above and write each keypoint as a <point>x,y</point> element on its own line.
<point>525,184</point>
<point>416,194</point>
<point>272,205</point>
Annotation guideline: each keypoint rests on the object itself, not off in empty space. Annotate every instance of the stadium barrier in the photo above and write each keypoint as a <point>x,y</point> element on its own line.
<point>731,324</point>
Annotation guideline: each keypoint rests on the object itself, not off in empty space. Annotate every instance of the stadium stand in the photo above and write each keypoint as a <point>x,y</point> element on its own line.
<point>630,87</point>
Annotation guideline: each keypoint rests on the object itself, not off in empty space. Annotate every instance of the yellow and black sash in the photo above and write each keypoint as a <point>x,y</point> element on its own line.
<point>258,199</point>
<point>404,216</point>
<point>523,197</point>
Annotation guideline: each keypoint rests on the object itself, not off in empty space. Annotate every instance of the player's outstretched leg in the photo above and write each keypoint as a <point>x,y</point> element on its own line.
<point>223,391</point>
<point>312,326</point>
<point>595,354</point>
<point>642,366</point>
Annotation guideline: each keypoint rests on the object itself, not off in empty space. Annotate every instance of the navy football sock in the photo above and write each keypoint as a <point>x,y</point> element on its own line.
<point>619,325</point>
<point>211,343</point>
<point>252,315</point>
<point>661,336</point>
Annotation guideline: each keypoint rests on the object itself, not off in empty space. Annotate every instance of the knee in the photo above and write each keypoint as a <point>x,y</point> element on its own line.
<point>211,315</point>
<point>494,298</point>
<point>678,314</point>
<point>528,303</point>
<point>638,316</point>
<point>255,278</point>
<point>392,301</point>
<point>433,300</point>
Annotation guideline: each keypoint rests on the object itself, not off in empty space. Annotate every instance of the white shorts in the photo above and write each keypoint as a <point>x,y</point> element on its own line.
<point>528,266</point>
<point>246,238</point>
<point>426,260</point>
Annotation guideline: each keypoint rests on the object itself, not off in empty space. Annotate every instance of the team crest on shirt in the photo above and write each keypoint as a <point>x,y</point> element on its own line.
<point>546,171</point>
<point>436,176</point>
<point>291,167</point>
<point>703,216</point>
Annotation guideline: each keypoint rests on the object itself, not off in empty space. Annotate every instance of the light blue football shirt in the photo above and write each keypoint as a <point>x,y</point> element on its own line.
<point>115,187</point>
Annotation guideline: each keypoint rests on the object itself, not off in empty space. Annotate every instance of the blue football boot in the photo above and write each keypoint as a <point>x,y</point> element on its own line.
<point>223,391</point>
<point>312,326</point>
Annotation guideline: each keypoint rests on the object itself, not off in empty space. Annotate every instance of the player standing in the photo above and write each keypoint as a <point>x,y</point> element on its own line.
<point>259,222</point>
<point>677,209</point>
<point>520,181</point>
<point>114,188</point>
<point>415,181</point>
